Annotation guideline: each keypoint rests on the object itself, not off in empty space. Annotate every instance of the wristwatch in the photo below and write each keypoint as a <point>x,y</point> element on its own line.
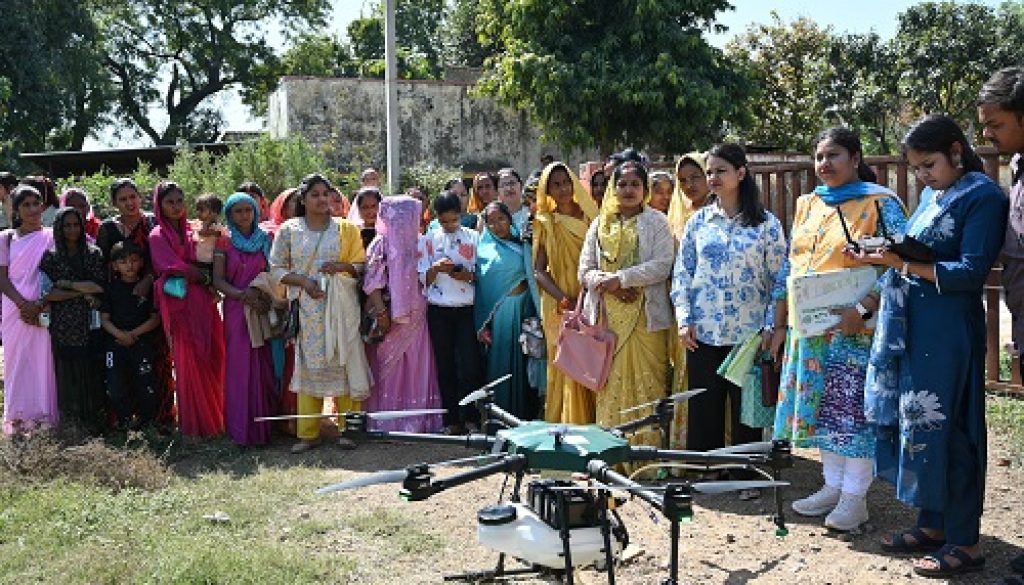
<point>864,312</point>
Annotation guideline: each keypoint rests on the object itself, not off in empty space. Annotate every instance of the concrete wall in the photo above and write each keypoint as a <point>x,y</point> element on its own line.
<point>440,122</point>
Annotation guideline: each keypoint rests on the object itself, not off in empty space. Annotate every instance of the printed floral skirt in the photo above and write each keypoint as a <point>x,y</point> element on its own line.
<point>821,396</point>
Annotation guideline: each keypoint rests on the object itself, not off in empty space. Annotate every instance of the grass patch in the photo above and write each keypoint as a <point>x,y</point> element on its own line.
<point>402,535</point>
<point>1005,415</point>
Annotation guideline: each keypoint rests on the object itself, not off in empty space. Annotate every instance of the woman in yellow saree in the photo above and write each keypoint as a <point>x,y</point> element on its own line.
<point>690,194</point>
<point>625,264</point>
<point>564,212</point>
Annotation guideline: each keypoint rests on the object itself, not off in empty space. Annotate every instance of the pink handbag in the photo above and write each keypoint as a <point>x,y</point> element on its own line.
<point>584,352</point>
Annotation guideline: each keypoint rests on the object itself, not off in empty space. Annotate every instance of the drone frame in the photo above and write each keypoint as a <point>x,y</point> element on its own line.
<point>674,500</point>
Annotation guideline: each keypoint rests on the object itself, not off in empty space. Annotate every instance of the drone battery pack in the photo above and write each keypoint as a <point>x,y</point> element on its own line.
<point>580,504</point>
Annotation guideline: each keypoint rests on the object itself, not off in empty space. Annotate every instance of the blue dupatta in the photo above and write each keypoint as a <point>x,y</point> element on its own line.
<point>833,196</point>
<point>501,266</point>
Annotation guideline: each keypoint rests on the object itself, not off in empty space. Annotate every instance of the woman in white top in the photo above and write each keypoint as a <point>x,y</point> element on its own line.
<point>727,264</point>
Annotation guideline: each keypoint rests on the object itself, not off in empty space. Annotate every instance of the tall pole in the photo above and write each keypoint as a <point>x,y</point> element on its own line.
<point>391,94</point>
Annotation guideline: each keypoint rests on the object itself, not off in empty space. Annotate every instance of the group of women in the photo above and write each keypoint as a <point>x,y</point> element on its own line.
<point>682,268</point>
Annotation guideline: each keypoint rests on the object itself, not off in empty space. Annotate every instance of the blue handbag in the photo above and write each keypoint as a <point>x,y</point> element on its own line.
<point>176,286</point>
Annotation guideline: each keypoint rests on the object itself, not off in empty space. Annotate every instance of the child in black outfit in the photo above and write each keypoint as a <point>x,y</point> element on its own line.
<point>129,319</point>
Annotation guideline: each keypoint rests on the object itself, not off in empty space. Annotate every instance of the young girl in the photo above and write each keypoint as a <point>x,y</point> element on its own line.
<point>206,231</point>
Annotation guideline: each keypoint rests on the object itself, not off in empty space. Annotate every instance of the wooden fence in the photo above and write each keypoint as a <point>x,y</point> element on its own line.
<point>782,183</point>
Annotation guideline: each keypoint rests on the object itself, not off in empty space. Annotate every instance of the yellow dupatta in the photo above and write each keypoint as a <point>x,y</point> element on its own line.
<point>561,237</point>
<point>681,208</point>
<point>619,240</point>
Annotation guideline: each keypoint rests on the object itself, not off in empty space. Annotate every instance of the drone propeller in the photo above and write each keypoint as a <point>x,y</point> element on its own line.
<point>721,487</point>
<point>481,392</point>
<point>398,475</point>
<point>677,397</point>
<point>761,447</point>
<point>380,415</point>
<point>702,487</point>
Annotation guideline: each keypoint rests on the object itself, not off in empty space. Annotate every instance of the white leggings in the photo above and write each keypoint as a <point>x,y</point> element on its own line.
<point>852,475</point>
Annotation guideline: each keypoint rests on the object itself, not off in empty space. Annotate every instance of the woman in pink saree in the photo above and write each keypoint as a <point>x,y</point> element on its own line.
<point>249,377</point>
<point>192,323</point>
<point>403,362</point>
<point>30,385</point>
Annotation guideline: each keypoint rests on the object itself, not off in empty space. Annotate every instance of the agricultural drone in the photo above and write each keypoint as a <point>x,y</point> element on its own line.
<point>559,525</point>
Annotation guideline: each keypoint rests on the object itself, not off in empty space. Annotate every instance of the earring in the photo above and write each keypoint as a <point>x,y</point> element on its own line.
<point>957,162</point>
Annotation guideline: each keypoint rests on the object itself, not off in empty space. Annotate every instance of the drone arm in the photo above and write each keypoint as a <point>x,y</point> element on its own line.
<point>421,487</point>
<point>603,473</point>
<point>502,415</point>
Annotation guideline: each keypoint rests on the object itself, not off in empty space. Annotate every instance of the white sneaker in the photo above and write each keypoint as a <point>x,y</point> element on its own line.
<point>849,513</point>
<point>819,503</point>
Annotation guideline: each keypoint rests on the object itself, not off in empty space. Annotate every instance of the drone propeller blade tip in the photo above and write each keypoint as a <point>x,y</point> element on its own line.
<point>721,487</point>
<point>760,447</point>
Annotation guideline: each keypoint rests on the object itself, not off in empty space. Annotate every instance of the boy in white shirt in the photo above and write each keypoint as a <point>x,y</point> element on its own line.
<point>446,262</point>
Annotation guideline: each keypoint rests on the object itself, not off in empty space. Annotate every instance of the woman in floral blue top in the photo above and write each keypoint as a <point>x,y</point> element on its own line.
<point>727,264</point>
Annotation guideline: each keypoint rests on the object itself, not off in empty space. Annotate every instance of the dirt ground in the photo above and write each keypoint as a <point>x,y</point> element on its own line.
<point>729,541</point>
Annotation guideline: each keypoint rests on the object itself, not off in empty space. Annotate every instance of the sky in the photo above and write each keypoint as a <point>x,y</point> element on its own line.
<point>859,16</point>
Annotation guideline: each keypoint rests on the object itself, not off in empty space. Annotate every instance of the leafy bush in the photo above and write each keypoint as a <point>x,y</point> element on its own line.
<point>276,164</point>
<point>428,177</point>
<point>97,186</point>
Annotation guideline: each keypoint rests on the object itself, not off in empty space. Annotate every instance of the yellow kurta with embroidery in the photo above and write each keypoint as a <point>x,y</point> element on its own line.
<point>561,237</point>
<point>640,365</point>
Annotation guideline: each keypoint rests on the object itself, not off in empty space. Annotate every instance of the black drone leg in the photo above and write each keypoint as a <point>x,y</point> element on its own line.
<point>606,532</point>
<point>563,514</point>
<point>673,571</point>
<point>500,569</point>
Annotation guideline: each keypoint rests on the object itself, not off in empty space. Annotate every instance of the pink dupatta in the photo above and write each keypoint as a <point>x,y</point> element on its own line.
<point>173,251</point>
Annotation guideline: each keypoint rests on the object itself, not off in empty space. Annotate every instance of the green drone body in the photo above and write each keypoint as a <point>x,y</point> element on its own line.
<point>563,447</point>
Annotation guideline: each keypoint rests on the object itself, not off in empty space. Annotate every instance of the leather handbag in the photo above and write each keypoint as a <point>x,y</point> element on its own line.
<point>584,351</point>
<point>290,329</point>
<point>176,286</point>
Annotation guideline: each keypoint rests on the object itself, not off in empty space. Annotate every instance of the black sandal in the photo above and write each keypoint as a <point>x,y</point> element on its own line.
<point>968,564</point>
<point>922,542</point>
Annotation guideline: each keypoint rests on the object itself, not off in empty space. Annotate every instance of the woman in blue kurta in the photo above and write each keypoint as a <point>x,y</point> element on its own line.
<point>505,295</point>
<point>925,382</point>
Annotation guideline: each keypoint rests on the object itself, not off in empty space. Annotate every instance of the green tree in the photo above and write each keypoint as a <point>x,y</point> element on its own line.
<point>947,50</point>
<point>785,61</point>
<point>639,74</point>
<point>57,90</point>
<point>862,89</point>
<point>174,56</point>
<point>417,28</point>
<point>461,39</point>
<point>315,55</point>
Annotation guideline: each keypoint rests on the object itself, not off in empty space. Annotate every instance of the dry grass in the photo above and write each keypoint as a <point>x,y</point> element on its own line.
<point>43,456</point>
